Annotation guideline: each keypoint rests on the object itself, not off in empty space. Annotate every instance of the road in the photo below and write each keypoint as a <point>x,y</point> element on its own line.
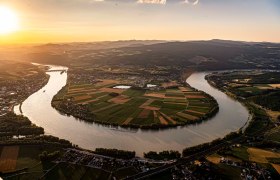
<point>183,160</point>
<point>193,157</point>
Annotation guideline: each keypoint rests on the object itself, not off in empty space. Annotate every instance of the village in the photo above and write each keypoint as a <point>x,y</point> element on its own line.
<point>13,92</point>
<point>126,74</point>
<point>196,168</point>
<point>107,163</point>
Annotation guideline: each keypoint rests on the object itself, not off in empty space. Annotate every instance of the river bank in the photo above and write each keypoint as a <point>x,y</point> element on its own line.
<point>91,135</point>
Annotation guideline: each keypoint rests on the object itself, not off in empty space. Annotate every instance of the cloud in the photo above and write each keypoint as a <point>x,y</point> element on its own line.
<point>93,1</point>
<point>151,1</point>
<point>162,2</point>
<point>193,2</point>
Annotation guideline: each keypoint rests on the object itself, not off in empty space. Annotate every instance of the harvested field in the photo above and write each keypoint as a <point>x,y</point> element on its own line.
<point>168,118</point>
<point>273,114</point>
<point>147,103</point>
<point>202,110</point>
<point>185,89</point>
<point>79,86</point>
<point>192,93</point>
<point>169,84</point>
<point>96,92</point>
<point>80,98</point>
<point>120,99</point>
<point>162,120</point>
<point>112,90</point>
<point>127,121</point>
<point>214,158</point>
<point>74,90</point>
<point>176,103</point>
<point>175,97</point>
<point>157,95</point>
<point>200,107</point>
<point>187,116</point>
<point>276,167</point>
<point>8,159</point>
<point>104,82</point>
<point>195,96</point>
<point>144,114</point>
<point>264,87</point>
<point>259,155</point>
<point>89,101</point>
<point>174,100</point>
<point>81,89</point>
<point>151,108</point>
<point>155,114</point>
<point>197,112</point>
<point>275,85</point>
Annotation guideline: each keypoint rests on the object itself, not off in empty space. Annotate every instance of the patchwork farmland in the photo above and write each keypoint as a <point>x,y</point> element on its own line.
<point>135,107</point>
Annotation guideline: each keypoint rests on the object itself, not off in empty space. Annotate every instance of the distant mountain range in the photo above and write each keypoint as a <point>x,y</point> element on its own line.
<point>204,55</point>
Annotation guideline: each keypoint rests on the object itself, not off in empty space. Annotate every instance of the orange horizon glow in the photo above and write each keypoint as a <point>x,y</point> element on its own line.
<point>90,21</point>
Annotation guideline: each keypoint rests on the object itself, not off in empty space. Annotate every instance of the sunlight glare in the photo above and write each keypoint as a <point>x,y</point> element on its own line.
<point>8,20</point>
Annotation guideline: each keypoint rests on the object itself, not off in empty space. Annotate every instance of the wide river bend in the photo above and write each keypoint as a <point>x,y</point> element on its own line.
<point>231,117</point>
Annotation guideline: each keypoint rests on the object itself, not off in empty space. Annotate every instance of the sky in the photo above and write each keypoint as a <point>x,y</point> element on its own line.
<point>45,21</point>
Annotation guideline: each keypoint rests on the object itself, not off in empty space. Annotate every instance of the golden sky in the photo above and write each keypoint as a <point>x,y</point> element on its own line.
<point>43,21</point>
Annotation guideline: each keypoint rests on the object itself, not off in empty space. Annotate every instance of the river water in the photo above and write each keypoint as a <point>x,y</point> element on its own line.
<point>231,117</point>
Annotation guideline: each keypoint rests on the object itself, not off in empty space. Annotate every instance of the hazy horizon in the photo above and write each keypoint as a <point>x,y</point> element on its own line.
<point>111,20</point>
<point>123,40</point>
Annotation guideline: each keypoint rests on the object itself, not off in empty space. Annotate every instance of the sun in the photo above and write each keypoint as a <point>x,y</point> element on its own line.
<point>8,20</point>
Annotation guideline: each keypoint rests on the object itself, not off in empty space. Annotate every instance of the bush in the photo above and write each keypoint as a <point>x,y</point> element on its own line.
<point>115,153</point>
<point>164,155</point>
<point>113,94</point>
<point>44,156</point>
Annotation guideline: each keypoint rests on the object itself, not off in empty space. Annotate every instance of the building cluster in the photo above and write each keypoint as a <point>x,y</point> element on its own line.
<point>13,92</point>
<point>181,172</point>
<point>202,169</point>
<point>250,170</point>
<point>106,163</point>
<point>133,76</point>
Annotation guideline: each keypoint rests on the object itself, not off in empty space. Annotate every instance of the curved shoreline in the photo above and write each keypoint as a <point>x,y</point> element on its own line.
<point>91,135</point>
<point>207,116</point>
<point>19,105</point>
<point>250,117</point>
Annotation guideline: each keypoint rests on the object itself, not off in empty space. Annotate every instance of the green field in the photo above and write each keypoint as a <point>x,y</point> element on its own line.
<point>138,107</point>
<point>273,134</point>
<point>26,161</point>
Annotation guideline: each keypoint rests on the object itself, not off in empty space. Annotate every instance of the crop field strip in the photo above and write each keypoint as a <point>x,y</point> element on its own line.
<point>8,159</point>
<point>139,107</point>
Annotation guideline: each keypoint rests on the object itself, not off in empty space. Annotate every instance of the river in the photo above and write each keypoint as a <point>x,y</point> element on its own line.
<point>231,117</point>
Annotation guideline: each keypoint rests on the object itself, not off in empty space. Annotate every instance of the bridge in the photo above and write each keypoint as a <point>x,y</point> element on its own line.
<point>57,70</point>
